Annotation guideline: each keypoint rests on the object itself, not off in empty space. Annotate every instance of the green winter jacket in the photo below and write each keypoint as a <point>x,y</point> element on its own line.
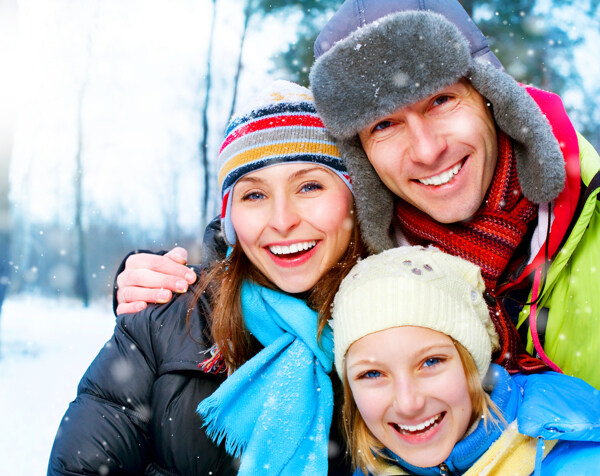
<point>570,295</point>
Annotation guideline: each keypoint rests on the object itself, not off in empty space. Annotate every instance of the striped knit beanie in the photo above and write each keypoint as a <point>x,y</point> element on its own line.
<point>280,125</point>
<point>414,286</point>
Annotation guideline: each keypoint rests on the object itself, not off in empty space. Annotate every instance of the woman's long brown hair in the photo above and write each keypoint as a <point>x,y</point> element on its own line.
<point>223,283</point>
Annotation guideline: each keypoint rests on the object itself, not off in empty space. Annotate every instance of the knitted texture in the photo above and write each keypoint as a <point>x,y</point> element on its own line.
<point>488,240</point>
<point>276,409</point>
<point>280,125</point>
<point>414,286</point>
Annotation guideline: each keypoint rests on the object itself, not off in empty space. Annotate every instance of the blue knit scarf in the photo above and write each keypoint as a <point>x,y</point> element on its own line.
<point>276,409</point>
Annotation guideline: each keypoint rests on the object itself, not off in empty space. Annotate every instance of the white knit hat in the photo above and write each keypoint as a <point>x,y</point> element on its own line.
<point>414,286</point>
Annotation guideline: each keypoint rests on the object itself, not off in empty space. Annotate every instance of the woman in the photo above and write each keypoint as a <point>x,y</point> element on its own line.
<point>262,381</point>
<point>420,394</point>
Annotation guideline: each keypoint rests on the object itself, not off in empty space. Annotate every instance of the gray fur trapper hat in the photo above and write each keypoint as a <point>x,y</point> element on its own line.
<point>377,56</point>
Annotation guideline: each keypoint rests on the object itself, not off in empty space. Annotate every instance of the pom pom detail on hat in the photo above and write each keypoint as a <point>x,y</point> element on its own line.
<point>280,125</point>
<point>414,286</point>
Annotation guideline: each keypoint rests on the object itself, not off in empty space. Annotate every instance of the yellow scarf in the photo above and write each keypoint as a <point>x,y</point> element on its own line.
<point>512,453</point>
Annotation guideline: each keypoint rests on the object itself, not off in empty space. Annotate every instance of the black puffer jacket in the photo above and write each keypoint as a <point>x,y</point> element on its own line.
<point>135,411</point>
<point>135,406</point>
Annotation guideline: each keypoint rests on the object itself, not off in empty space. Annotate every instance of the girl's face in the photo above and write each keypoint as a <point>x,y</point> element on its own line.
<point>411,390</point>
<point>293,222</point>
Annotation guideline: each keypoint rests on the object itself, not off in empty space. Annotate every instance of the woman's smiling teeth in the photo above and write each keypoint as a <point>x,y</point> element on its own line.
<point>293,248</point>
<point>423,426</point>
<point>442,178</point>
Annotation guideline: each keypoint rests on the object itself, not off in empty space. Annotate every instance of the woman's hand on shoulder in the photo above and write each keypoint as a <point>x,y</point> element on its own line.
<point>149,278</point>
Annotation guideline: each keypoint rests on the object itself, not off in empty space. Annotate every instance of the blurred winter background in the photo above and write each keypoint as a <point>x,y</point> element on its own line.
<point>111,115</point>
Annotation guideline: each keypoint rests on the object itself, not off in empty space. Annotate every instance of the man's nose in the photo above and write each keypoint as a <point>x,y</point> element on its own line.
<point>426,142</point>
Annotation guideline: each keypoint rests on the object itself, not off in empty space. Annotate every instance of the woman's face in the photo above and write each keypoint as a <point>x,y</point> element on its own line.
<point>411,390</point>
<point>293,222</point>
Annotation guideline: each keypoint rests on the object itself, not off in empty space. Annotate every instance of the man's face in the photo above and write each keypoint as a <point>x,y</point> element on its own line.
<point>438,154</point>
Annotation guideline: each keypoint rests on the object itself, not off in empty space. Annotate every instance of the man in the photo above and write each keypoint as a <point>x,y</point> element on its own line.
<point>445,148</point>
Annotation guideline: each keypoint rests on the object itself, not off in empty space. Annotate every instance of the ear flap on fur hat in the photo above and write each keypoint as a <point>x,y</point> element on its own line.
<point>540,162</point>
<point>374,201</point>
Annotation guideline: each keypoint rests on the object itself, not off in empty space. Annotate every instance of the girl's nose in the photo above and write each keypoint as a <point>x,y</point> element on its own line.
<point>409,399</point>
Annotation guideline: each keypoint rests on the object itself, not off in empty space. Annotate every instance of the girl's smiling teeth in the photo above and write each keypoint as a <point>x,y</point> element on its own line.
<point>420,428</point>
<point>293,248</point>
<point>442,178</point>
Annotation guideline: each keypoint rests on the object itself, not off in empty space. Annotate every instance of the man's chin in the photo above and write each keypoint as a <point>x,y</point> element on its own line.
<point>448,216</point>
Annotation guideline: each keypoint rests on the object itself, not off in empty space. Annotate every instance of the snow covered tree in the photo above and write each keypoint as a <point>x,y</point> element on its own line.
<point>8,21</point>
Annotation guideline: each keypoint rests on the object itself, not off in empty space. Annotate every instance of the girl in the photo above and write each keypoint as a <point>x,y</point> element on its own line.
<point>413,345</point>
<point>253,362</point>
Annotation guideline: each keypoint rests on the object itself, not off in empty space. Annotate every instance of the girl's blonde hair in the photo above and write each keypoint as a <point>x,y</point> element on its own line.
<point>367,451</point>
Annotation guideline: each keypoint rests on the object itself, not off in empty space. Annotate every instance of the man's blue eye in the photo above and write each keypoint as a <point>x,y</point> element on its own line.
<point>441,100</point>
<point>372,374</point>
<point>431,361</point>
<point>382,125</point>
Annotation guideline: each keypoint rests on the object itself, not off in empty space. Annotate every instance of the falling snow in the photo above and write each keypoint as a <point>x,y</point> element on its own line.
<point>45,347</point>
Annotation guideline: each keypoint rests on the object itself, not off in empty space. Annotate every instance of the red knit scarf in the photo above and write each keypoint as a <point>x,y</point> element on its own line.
<point>488,240</point>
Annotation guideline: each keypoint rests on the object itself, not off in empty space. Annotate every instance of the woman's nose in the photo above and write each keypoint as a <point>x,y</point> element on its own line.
<point>284,215</point>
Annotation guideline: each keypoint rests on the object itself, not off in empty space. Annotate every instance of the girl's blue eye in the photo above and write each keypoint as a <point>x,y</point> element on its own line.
<point>372,374</point>
<point>311,187</point>
<point>431,361</point>
<point>382,125</point>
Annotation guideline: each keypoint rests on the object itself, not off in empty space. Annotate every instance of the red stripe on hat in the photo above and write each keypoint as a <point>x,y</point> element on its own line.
<point>280,120</point>
<point>224,206</point>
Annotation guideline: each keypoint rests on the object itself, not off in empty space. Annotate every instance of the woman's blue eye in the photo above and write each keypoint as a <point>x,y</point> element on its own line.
<point>431,361</point>
<point>372,374</point>
<point>382,125</point>
<point>253,196</point>
<point>311,187</point>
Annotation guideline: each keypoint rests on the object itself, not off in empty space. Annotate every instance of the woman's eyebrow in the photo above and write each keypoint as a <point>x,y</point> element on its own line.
<point>251,180</point>
<point>306,171</point>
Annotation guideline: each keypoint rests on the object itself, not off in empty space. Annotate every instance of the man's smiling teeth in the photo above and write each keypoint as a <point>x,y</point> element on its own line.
<point>442,178</point>
<point>293,248</point>
<point>420,427</point>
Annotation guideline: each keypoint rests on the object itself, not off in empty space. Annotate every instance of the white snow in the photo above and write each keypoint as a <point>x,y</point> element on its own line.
<point>45,347</point>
